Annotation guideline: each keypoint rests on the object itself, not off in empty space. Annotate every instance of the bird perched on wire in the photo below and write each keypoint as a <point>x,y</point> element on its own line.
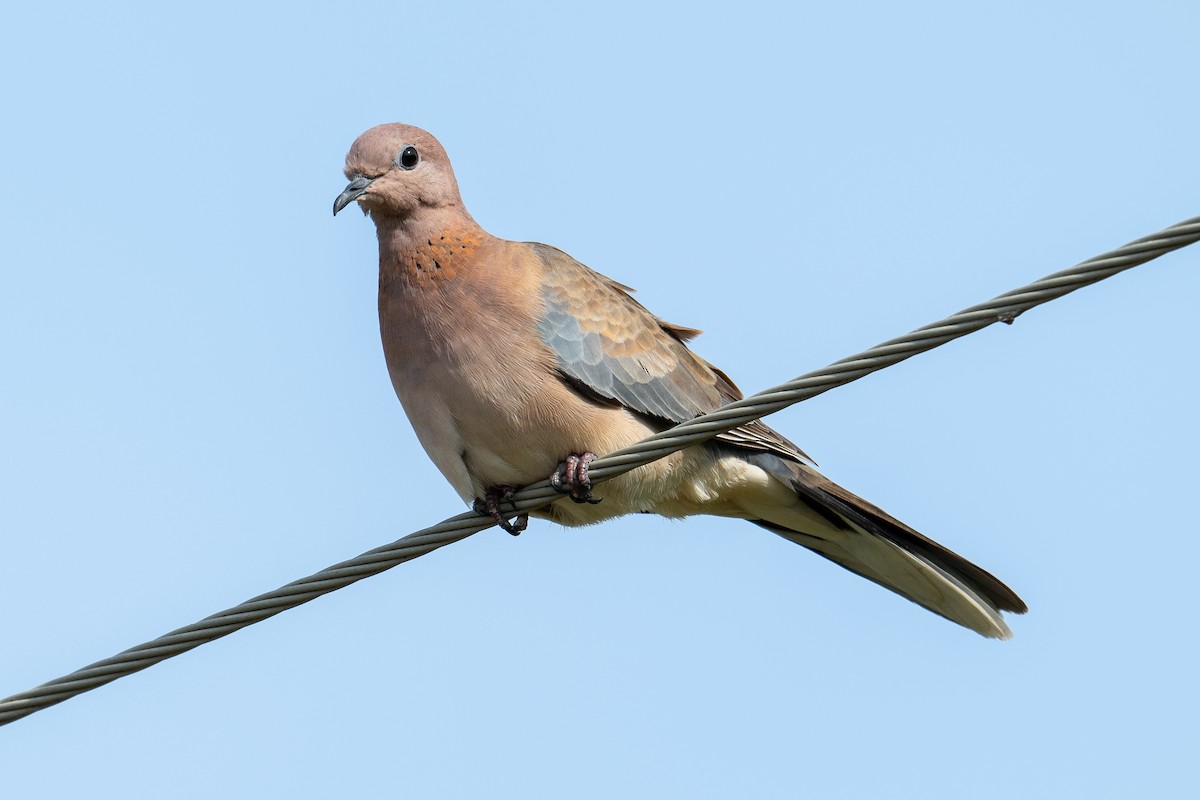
<point>515,362</point>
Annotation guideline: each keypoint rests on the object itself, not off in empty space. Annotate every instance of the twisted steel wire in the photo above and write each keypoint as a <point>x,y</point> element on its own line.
<point>1003,308</point>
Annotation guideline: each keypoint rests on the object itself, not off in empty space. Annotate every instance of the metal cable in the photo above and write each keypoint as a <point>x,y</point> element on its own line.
<point>1003,308</point>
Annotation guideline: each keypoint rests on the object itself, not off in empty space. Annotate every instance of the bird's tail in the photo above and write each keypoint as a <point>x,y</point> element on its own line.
<point>864,539</point>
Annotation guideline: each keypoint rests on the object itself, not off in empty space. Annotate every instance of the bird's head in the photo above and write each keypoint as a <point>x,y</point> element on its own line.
<point>396,169</point>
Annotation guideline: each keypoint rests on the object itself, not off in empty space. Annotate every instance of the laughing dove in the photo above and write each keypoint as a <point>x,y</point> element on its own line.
<point>512,357</point>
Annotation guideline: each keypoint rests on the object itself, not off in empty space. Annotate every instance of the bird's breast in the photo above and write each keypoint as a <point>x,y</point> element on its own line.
<point>482,390</point>
<point>477,382</point>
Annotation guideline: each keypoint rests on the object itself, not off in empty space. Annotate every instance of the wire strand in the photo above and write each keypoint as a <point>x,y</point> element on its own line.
<point>1003,308</point>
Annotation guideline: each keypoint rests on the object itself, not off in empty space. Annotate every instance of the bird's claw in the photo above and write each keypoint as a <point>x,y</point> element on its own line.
<point>489,506</point>
<point>571,477</point>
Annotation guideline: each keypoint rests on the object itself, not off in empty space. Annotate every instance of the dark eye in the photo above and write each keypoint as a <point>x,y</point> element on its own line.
<point>408,157</point>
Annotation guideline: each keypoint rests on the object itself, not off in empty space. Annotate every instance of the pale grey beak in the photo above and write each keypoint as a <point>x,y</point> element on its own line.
<point>356,189</point>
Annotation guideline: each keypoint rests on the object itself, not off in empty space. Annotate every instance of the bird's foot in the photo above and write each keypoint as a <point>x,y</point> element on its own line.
<point>571,477</point>
<point>489,506</point>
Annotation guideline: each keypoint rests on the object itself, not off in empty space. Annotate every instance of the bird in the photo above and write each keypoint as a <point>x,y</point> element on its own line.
<point>514,362</point>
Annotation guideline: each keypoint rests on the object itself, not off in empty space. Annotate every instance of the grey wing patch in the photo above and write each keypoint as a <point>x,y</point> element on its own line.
<point>606,364</point>
<point>611,349</point>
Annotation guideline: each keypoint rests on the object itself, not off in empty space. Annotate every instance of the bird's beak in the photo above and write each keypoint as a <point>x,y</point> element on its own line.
<point>356,189</point>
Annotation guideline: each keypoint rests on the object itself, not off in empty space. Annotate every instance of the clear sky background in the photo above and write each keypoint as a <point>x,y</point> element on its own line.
<point>194,406</point>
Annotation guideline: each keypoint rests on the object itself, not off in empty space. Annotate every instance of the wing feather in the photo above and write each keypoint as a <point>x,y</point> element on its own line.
<point>608,344</point>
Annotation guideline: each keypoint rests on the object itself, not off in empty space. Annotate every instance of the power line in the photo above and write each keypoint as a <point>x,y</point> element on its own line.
<point>1004,308</point>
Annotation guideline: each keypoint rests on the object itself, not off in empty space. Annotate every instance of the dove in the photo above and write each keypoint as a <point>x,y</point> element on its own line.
<point>514,362</point>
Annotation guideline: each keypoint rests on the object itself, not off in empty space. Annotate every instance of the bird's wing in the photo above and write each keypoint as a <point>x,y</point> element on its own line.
<point>610,348</point>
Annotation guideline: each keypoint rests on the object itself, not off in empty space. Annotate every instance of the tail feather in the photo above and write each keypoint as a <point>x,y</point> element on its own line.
<point>861,537</point>
<point>913,578</point>
<point>879,522</point>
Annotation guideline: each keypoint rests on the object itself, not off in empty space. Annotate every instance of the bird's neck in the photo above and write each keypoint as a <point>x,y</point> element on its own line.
<point>428,248</point>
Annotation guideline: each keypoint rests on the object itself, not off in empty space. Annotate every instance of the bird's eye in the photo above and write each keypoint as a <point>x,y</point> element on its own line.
<point>408,157</point>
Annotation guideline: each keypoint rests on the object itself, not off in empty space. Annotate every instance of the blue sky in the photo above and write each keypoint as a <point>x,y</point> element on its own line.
<point>194,406</point>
